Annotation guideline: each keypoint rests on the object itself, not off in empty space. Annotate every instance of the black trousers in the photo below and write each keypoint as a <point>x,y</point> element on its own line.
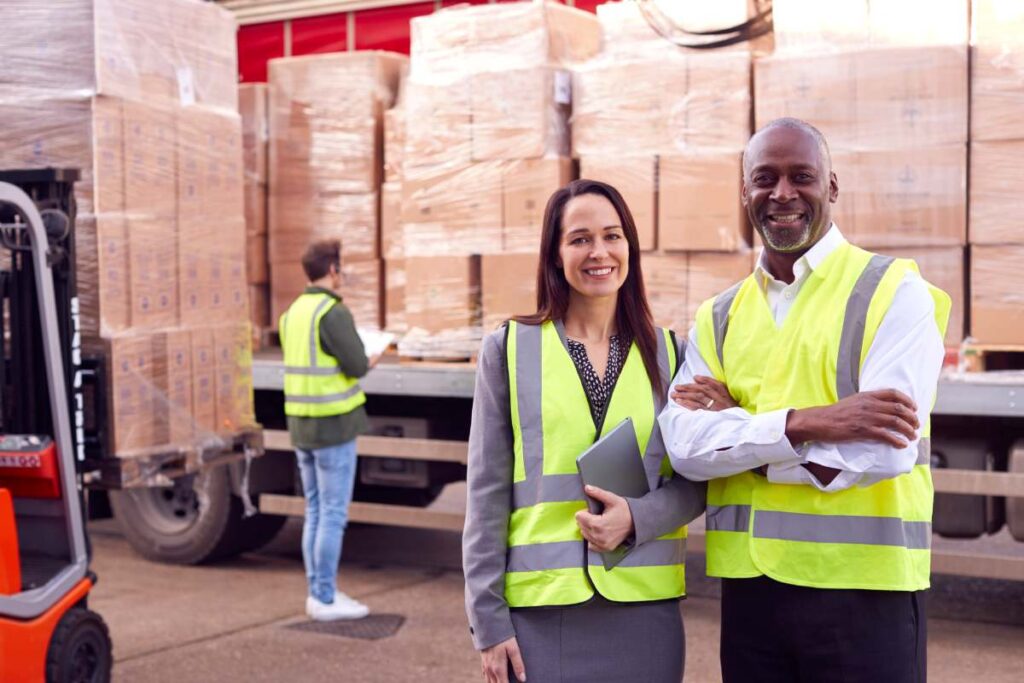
<point>776,632</point>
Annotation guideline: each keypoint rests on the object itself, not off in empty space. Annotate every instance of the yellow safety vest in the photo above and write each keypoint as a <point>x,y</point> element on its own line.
<point>314,385</point>
<point>874,537</point>
<point>548,562</point>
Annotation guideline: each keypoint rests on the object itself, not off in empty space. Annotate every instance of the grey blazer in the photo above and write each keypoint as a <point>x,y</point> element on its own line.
<point>489,499</point>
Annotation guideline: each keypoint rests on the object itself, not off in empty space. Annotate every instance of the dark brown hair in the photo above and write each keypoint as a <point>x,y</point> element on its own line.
<point>320,256</point>
<point>632,313</point>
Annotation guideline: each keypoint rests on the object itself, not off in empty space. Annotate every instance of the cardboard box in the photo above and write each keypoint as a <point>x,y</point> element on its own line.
<point>520,114</point>
<point>997,294</point>
<point>442,292</point>
<point>944,268</point>
<point>232,345</point>
<point>252,106</point>
<point>508,286</point>
<point>504,37</point>
<point>257,268</point>
<point>713,112</point>
<point>112,279</point>
<point>361,289</point>
<point>453,210</point>
<point>259,311</point>
<point>997,170</point>
<point>173,400</point>
<point>710,273</point>
<point>997,100</point>
<point>392,241</point>
<point>437,124</point>
<point>131,393</point>
<point>394,295</point>
<point>665,278</point>
<point>204,405</point>
<point>820,90</point>
<point>149,152</point>
<point>634,178</point>
<point>526,187</point>
<point>699,206</point>
<point>255,208</point>
<point>911,197</point>
<point>911,97</point>
<point>152,246</point>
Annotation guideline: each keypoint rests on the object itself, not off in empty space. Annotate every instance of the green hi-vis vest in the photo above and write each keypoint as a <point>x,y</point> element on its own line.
<point>548,562</point>
<point>314,385</point>
<point>873,537</point>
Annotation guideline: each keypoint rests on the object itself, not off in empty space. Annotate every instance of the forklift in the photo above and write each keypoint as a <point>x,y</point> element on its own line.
<point>47,631</point>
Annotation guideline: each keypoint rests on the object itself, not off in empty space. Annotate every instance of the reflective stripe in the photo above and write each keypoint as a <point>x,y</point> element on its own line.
<point>539,557</point>
<point>720,316</point>
<point>528,398</point>
<point>924,451</point>
<point>552,488</point>
<point>889,531</point>
<point>314,330</point>
<point>318,372</point>
<point>727,518</point>
<point>852,340</point>
<point>325,398</point>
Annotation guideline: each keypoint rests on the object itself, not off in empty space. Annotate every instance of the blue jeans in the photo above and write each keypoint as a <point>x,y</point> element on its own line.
<point>328,476</point>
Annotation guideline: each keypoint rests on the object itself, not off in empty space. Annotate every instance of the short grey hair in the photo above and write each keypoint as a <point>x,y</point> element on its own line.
<point>794,124</point>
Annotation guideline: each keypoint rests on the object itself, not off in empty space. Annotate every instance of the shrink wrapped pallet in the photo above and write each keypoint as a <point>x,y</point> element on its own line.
<point>665,278</point>
<point>394,143</point>
<point>361,290</point>
<point>142,98</point>
<point>636,180</point>
<point>394,295</point>
<point>710,273</point>
<point>997,170</point>
<point>526,186</point>
<point>442,307</point>
<point>699,203</point>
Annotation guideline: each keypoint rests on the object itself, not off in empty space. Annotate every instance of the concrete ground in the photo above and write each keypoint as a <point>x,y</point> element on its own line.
<point>235,621</point>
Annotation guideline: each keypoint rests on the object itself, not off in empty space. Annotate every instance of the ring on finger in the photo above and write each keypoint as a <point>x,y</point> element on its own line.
<point>710,403</point>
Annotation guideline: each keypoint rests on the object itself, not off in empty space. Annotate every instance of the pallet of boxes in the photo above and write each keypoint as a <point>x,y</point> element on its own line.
<point>995,232</point>
<point>487,109</point>
<point>142,97</point>
<point>252,106</point>
<point>887,85</point>
<point>667,125</point>
<point>326,115</point>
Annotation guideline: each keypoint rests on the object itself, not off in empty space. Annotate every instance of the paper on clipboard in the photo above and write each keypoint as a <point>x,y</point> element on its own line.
<point>375,342</point>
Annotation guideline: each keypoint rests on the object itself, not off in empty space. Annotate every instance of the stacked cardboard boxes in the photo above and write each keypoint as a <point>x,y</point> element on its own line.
<point>326,150</point>
<point>142,98</point>
<point>667,128</point>
<point>997,169</point>
<point>252,106</point>
<point>487,109</point>
<point>892,103</point>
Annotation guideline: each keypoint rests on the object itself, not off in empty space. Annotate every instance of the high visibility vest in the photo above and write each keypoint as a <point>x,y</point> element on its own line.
<point>314,385</point>
<point>548,562</point>
<point>872,537</point>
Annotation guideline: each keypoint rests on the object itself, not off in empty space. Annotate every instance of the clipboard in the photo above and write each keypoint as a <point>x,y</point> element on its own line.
<point>614,463</point>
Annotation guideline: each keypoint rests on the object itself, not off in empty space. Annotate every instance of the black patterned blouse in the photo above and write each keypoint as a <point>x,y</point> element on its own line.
<point>596,390</point>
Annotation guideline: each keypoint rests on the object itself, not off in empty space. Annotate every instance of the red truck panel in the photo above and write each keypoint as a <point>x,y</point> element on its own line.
<point>387,28</point>
<point>328,33</point>
<point>258,43</point>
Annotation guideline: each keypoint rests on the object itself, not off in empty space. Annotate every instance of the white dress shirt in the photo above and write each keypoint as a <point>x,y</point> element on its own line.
<point>905,355</point>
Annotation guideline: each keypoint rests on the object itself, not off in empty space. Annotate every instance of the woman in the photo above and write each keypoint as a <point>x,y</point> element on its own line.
<point>539,600</point>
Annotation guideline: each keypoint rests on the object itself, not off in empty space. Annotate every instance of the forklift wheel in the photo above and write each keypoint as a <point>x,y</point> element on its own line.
<point>80,650</point>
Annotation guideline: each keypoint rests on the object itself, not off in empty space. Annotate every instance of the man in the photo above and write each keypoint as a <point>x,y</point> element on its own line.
<point>323,357</point>
<point>804,400</point>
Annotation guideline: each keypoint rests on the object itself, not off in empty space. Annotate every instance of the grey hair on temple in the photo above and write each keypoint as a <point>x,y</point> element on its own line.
<point>795,124</point>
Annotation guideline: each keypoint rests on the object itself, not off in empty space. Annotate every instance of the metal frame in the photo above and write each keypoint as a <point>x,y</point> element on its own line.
<point>32,603</point>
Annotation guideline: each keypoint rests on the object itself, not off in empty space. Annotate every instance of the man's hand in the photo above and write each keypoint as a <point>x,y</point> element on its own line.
<point>609,529</point>
<point>494,661</point>
<point>886,416</point>
<point>705,393</point>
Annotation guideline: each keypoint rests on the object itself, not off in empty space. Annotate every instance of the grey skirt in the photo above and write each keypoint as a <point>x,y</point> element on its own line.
<point>602,642</point>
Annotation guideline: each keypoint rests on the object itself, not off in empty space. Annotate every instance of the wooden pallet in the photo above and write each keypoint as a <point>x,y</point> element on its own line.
<point>984,357</point>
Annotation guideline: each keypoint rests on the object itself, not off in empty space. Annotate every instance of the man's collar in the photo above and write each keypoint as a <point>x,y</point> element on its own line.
<point>815,256</point>
<point>314,289</point>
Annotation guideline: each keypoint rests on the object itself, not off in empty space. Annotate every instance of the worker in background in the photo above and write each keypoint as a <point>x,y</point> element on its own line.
<point>540,604</point>
<point>804,400</point>
<point>323,359</point>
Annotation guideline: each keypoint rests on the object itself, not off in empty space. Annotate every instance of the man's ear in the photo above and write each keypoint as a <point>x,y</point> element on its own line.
<point>833,187</point>
<point>744,199</point>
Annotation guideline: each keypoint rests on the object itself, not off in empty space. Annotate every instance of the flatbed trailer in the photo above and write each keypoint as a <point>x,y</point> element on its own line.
<point>978,453</point>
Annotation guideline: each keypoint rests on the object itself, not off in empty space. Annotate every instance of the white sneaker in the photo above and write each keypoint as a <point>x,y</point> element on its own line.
<point>339,596</point>
<point>339,609</point>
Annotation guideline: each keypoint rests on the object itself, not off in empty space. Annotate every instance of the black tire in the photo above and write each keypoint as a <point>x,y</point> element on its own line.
<point>1015,504</point>
<point>197,521</point>
<point>79,650</point>
<point>259,530</point>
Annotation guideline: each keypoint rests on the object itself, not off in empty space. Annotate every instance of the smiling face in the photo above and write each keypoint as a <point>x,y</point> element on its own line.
<point>788,188</point>
<point>593,251</point>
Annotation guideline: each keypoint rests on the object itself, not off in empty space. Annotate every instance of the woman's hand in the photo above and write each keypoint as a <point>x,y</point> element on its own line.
<point>609,529</point>
<point>494,661</point>
<point>705,393</point>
